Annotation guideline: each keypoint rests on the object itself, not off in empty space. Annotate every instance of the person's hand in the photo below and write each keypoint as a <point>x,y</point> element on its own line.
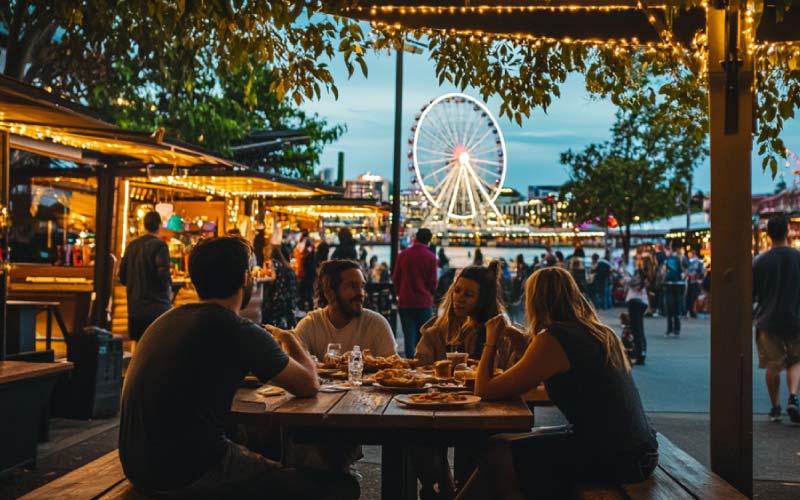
<point>283,337</point>
<point>495,328</point>
<point>518,338</point>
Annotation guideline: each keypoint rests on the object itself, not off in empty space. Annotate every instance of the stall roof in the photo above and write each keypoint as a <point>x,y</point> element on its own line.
<point>330,207</point>
<point>43,123</point>
<point>242,183</point>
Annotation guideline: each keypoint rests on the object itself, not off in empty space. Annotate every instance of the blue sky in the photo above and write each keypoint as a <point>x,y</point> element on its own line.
<point>366,106</point>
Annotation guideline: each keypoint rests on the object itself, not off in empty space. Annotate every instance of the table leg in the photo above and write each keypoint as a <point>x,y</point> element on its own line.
<point>49,334</point>
<point>398,478</point>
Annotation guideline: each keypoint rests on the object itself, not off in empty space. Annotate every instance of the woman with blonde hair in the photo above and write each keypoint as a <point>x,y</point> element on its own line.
<point>588,377</point>
<point>472,299</point>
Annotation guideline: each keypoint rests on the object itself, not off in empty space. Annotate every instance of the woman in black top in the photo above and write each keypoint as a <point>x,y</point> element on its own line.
<point>588,377</point>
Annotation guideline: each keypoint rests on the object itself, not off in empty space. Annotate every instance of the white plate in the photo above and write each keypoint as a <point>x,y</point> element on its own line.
<point>270,390</point>
<point>403,390</point>
<point>437,405</point>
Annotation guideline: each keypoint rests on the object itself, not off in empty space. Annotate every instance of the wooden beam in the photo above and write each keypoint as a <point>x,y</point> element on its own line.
<point>731,309</point>
<point>5,220</point>
<point>103,261</point>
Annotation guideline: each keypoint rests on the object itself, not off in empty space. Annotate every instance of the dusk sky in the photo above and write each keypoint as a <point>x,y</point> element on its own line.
<point>366,106</point>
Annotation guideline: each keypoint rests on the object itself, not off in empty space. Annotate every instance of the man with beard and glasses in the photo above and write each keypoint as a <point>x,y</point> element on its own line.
<point>180,385</point>
<point>341,317</point>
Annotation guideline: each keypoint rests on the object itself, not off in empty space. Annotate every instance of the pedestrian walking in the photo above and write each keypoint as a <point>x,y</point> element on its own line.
<point>145,272</point>
<point>478,260</point>
<point>776,293</point>
<point>415,280</point>
<point>346,249</point>
<point>674,270</point>
<point>577,268</point>
<point>694,280</point>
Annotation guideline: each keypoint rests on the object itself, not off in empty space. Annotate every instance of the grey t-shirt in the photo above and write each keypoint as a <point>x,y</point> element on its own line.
<point>776,291</point>
<point>179,388</point>
<point>370,331</point>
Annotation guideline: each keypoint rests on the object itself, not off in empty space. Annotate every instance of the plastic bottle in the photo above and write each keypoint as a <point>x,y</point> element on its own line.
<point>356,367</point>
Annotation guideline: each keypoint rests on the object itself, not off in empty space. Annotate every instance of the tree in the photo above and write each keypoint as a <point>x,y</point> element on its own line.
<point>207,71</point>
<point>639,173</point>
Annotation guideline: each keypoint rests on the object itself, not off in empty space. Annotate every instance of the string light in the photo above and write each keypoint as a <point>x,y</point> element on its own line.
<point>208,185</point>
<point>493,9</point>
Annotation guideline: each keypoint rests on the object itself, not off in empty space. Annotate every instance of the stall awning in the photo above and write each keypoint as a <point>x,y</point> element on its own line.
<point>341,208</point>
<point>241,183</point>
<point>43,123</point>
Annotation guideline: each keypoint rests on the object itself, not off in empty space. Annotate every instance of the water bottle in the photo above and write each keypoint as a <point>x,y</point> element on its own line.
<point>356,367</point>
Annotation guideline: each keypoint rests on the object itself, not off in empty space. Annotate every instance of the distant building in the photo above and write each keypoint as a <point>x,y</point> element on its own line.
<point>367,186</point>
<point>545,209</point>
<point>513,207</point>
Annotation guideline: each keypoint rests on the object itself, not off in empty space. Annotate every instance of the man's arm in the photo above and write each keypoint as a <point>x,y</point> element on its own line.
<point>396,274</point>
<point>433,278</point>
<point>123,269</point>
<point>162,265</point>
<point>300,375</point>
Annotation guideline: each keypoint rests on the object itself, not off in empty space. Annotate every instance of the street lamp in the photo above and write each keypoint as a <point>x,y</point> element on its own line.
<point>415,48</point>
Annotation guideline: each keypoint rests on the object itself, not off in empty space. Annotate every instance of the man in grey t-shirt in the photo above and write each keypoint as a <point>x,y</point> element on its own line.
<point>341,317</point>
<point>776,292</point>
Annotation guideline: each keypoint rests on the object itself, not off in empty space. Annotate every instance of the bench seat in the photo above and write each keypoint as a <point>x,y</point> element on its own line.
<point>678,476</point>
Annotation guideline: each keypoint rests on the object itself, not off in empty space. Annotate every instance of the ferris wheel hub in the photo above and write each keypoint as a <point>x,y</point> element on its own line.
<point>464,158</point>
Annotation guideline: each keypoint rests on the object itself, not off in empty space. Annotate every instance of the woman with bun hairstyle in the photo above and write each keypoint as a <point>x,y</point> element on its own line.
<point>472,299</point>
<point>588,377</point>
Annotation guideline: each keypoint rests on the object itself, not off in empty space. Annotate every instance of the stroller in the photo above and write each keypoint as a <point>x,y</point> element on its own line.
<point>627,334</point>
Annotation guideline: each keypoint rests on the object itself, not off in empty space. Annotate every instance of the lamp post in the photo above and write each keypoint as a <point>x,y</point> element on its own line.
<point>414,48</point>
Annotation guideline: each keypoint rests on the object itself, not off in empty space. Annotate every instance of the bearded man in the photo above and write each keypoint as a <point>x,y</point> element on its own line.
<point>341,317</point>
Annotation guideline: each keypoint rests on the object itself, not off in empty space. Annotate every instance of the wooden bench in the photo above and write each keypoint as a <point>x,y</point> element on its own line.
<point>678,476</point>
<point>25,390</point>
<point>100,479</point>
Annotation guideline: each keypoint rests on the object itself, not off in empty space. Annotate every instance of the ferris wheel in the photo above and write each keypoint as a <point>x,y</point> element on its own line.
<point>458,158</point>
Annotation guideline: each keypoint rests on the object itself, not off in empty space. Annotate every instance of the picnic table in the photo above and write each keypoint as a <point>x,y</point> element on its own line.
<point>371,415</point>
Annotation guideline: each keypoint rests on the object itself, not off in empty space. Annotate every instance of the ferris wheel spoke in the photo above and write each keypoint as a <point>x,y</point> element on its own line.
<point>486,162</point>
<point>440,140</point>
<point>436,129</point>
<point>490,173</point>
<point>445,186</point>
<point>433,152</point>
<point>449,165</point>
<point>468,143</point>
<point>474,145</point>
<point>471,198</point>
<point>429,162</point>
<point>454,198</point>
<point>484,192</point>
<point>480,152</point>
<point>446,123</point>
<point>481,179</point>
<point>469,131</point>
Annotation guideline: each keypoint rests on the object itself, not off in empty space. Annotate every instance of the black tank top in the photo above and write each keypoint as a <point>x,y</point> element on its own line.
<point>600,401</point>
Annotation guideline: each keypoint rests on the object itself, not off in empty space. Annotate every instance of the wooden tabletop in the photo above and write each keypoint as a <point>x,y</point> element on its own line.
<point>369,407</point>
<point>11,371</point>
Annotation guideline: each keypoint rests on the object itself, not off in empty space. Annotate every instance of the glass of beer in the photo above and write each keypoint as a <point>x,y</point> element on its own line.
<point>443,369</point>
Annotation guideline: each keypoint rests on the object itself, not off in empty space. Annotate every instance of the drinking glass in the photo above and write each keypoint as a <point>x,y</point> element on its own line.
<point>333,354</point>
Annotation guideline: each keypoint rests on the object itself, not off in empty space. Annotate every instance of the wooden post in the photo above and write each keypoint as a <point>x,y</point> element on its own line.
<point>5,221</point>
<point>103,264</point>
<point>731,110</point>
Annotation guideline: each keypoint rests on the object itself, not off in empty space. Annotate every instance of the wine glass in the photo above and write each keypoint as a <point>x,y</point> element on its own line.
<point>333,354</point>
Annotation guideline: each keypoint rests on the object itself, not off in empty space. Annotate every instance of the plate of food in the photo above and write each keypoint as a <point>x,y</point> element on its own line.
<point>327,371</point>
<point>400,380</point>
<point>438,400</point>
<point>270,390</point>
<point>450,386</point>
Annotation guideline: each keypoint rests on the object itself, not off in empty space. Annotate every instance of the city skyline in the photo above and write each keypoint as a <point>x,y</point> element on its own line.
<point>366,106</point>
